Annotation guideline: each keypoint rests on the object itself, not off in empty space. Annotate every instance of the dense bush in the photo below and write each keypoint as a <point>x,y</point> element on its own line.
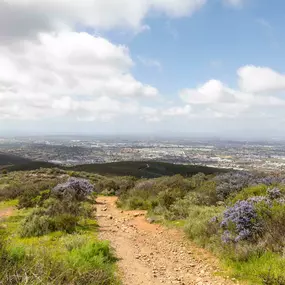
<point>26,187</point>
<point>62,212</point>
<point>200,225</point>
<point>233,182</point>
<point>240,222</point>
<point>75,188</point>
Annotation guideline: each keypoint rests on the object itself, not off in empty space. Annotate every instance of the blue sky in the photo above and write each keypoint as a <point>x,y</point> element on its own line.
<point>212,67</point>
<point>213,43</point>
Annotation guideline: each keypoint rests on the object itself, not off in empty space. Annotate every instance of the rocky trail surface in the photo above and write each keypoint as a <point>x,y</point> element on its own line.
<point>152,254</point>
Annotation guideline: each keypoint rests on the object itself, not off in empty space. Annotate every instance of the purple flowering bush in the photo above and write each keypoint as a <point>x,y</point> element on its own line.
<point>232,182</point>
<point>77,188</point>
<point>240,222</point>
<point>246,219</point>
<point>274,193</point>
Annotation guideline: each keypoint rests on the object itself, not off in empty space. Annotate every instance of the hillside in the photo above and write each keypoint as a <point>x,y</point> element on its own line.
<point>238,216</point>
<point>138,169</point>
<point>145,169</point>
<point>17,163</point>
<point>8,159</point>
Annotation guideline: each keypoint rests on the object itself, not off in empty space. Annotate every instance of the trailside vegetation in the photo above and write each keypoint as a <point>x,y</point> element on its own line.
<point>240,216</point>
<point>51,237</point>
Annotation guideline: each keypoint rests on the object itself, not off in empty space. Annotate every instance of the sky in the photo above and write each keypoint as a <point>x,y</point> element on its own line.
<point>191,67</point>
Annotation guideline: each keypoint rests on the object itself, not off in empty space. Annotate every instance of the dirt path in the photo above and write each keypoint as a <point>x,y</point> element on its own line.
<point>151,254</point>
<point>6,213</point>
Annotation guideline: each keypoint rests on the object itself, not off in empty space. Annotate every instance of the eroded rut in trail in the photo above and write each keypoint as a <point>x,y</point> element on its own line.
<point>151,254</point>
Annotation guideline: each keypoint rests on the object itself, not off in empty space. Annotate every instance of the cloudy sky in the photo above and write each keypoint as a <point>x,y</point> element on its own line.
<point>209,67</point>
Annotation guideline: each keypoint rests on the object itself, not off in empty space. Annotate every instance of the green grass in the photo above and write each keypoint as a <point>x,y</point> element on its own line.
<point>8,204</point>
<point>176,224</point>
<point>268,266</point>
<point>56,258</point>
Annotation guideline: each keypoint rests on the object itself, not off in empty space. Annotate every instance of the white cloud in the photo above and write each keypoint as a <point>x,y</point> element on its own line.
<point>25,18</point>
<point>211,92</point>
<point>260,79</point>
<point>217,99</point>
<point>177,111</point>
<point>151,114</point>
<point>67,71</point>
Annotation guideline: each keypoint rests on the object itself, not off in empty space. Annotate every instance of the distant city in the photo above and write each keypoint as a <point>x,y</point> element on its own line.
<point>66,150</point>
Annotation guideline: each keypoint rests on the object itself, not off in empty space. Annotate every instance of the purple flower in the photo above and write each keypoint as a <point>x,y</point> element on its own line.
<point>232,182</point>
<point>274,193</point>
<point>241,221</point>
<point>74,187</point>
<point>259,199</point>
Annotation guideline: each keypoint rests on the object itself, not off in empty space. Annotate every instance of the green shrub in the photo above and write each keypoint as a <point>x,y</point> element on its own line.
<point>38,223</point>
<point>135,203</point>
<point>57,215</point>
<point>267,268</point>
<point>169,196</point>
<point>65,222</point>
<point>271,279</point>
<point>91,255</point>
<point>259,190</point>
<point>179,210</point>
<point>206,194</point>
<point>16,254</point>
<point>74,241</point>
<point>199,226</point>
<point>273,237</point>
<point>242,251</point>
<point>87,265</point>
<point>32,198</point>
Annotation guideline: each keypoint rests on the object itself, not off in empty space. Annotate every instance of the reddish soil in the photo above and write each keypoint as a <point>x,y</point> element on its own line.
<point>151,254</point>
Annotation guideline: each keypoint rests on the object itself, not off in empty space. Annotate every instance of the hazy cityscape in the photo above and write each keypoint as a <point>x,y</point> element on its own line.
<point>266,156</point>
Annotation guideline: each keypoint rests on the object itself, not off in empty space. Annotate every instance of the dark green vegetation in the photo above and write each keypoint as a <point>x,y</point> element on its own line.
<point>147,169</point>
<point>50,238</point>
<point>8,159</point>
<point>238,216</point>
<point>16,163</point>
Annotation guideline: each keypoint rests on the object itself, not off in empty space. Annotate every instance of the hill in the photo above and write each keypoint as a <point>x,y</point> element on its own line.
<point>9,159</point>
<point>17,163</point>
<point>145,169</point>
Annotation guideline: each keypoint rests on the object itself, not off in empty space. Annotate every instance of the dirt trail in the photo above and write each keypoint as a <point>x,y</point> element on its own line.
<point>151,254</point>
<point>6,213</point>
